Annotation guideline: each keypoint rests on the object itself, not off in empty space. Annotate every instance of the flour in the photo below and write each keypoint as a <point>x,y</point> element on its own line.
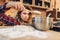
<point>22,31</point>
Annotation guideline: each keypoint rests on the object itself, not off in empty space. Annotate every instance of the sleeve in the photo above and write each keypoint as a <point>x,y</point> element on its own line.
<point>9,21</point>
<point>3,8</point>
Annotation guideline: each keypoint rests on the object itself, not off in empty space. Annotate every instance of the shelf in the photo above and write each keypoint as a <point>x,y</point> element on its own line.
<point>37,3</point>
<point>56,26</point>
<point>36,6</point>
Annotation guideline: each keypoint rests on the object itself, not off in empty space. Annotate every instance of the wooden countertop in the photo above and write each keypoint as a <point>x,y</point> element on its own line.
<point>52,35</point>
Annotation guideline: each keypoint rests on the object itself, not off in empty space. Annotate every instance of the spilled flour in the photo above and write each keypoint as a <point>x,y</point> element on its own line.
<point>22,31</point>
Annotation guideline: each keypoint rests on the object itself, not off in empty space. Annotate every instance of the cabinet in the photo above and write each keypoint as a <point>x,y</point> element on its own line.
<point>15,0</point>
<point>39,5</point>
<point>47,4</point>
<point>27,1</point>
<point>58,15</point>
<point>36,3</point>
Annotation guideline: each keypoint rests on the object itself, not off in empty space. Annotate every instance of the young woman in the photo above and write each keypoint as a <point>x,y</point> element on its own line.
<point>6,19</point>
<point>23,17</point>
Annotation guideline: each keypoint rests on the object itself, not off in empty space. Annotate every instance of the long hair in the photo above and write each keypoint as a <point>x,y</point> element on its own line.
<point>19,16</point>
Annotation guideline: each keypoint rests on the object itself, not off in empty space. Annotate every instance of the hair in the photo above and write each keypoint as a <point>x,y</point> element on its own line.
<point>19,16</point>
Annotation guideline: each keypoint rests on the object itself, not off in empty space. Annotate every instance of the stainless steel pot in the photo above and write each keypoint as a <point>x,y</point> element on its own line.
<point>40,23</point>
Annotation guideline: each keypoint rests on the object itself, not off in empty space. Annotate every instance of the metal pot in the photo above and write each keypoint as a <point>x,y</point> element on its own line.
<point>40,23</point>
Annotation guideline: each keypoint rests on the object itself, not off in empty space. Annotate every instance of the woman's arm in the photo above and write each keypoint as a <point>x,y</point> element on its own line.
<point>17,5</point>
<point>8,20</point>
<point>3,8</point>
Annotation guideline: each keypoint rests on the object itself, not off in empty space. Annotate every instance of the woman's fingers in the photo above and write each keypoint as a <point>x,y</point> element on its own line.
<point>16,5</point>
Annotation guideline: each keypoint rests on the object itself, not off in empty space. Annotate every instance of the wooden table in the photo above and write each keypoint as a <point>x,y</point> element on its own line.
<point>52,35</point>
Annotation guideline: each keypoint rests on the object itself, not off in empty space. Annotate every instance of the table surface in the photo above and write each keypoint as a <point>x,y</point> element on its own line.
<point>52,35</point>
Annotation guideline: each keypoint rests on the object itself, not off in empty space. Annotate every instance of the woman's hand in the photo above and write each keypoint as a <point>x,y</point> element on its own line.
<point>16,5</point>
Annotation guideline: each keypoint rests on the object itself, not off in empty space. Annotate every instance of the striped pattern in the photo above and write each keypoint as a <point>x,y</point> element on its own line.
<point>8,20</point>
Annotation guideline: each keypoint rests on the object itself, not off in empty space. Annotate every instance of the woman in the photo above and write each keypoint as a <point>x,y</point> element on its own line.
<point>23,17</point>
<point>7,20</point>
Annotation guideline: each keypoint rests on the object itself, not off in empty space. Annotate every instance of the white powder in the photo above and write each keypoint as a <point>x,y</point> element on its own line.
<point>22,31</point>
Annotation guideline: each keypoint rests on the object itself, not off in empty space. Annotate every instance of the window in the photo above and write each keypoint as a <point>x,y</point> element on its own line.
<point>27,1</point>
<point>38,2</point>
<point>47,4</point>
